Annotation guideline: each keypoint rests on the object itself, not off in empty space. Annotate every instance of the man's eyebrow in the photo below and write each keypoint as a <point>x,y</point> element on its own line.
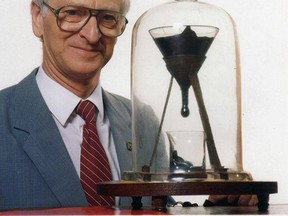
<point>80,4</point>
<point>76,5</point>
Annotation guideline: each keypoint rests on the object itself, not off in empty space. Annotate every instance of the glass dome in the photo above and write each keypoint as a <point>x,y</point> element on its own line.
<point>186,95</point>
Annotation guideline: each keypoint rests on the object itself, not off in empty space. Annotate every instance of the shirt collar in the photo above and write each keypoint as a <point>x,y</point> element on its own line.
<point>61,102</point>
<point>97,99</point>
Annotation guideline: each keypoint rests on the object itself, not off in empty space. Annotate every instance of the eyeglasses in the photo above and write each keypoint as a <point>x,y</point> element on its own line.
<point>73,18</point>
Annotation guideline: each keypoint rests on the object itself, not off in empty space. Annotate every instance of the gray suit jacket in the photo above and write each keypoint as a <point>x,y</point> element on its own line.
<point>35,168</point>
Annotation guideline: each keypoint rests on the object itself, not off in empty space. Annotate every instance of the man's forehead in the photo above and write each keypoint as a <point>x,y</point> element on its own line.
<point>114,5</point>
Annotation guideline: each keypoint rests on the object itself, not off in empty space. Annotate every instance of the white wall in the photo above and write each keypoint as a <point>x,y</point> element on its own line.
<point>263,37</point>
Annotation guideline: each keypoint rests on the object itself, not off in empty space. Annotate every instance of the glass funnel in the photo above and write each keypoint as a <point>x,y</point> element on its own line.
<point>185,79</point>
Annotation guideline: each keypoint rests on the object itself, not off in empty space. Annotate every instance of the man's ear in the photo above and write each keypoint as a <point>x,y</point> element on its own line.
<point>37,20</point>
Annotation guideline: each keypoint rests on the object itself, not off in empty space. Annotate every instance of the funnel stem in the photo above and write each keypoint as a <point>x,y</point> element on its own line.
<point>212,151</point>
<point>185,109</point>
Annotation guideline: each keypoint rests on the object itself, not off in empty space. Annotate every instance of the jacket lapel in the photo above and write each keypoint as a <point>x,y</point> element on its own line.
<point>42,142</point>
<point>119,114</point>
<point>118,111</point>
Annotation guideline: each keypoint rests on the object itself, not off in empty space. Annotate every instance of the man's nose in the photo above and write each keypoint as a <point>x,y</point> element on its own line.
<point>91,30</point>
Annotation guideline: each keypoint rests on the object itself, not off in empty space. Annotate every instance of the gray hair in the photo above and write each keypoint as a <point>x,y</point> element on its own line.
<point>124,8</point>
<point>41,5</point>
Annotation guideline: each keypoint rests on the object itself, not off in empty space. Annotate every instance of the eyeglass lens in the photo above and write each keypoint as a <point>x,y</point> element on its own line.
<point>73,18</point>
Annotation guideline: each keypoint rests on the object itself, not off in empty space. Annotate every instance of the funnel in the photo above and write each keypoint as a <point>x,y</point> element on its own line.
<point>184,50</point>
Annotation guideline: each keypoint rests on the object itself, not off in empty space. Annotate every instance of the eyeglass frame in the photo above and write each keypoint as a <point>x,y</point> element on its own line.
<point>92,13</point>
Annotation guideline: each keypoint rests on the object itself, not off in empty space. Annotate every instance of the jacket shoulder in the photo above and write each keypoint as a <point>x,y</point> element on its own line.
<point>9,95</point>
<point>5,97</point>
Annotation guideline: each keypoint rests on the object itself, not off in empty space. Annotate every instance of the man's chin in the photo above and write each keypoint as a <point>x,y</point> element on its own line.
<point>83,72</point>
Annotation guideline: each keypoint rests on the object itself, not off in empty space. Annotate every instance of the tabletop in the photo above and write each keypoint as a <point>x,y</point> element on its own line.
<point>100,210</point>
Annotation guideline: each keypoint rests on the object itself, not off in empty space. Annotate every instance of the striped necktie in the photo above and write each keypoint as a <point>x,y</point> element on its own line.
<point>94,165</point>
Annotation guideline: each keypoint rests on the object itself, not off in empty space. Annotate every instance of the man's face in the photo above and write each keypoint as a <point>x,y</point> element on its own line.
<point>78,55</point>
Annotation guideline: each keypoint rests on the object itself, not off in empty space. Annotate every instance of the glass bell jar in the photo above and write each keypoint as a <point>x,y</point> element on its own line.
<point>186,108</point>
<point>186,100</point>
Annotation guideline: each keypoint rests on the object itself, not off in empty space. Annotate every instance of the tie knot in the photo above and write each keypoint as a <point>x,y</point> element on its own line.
<point>87,111</point>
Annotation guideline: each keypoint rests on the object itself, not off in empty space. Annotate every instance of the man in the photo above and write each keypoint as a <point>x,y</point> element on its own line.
<point>41,132</point>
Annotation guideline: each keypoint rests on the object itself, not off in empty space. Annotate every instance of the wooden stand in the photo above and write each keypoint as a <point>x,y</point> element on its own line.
<point>159,191</point>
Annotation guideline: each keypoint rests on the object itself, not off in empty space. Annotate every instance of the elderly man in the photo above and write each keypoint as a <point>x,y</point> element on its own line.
<point>48,134</point>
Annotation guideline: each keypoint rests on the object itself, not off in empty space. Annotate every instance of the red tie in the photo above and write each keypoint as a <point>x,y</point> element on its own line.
<point>94,166</point>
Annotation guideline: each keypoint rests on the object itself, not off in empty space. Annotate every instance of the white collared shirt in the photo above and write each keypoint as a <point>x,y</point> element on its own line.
<point>61,102</point>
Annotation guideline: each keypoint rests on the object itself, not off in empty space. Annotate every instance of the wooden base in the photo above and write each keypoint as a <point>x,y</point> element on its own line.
<point>160,190</point>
